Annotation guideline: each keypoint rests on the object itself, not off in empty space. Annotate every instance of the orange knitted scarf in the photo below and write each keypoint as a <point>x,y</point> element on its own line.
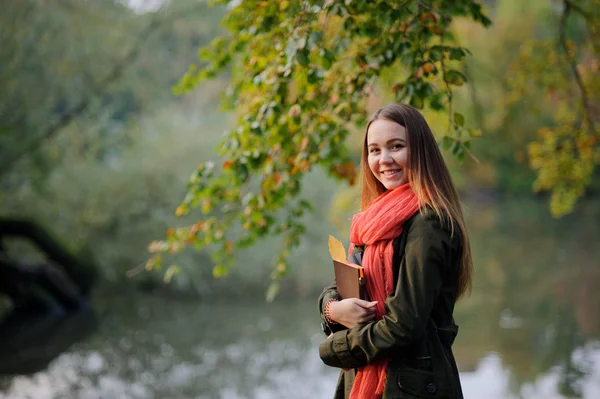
<point>377,227</point>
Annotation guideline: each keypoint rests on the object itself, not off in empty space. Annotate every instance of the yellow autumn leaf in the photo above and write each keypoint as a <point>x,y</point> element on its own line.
<point>336,249</point>
<point>220,271</point>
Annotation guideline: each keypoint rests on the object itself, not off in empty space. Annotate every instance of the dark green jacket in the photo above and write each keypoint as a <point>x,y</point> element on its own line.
<point>417,332</point>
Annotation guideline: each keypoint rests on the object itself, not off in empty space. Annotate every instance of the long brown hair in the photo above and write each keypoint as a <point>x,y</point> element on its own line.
<point>427,175</point>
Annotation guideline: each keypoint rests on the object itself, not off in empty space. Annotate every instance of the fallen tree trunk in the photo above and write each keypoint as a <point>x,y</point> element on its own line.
<point>61,280</point>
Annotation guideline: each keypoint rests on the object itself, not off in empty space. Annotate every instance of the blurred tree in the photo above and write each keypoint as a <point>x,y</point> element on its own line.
<point>564,63</point>
<point>302,72</point>
<point>68,60</point>
<point>74,77</point>
<point>503,168</point>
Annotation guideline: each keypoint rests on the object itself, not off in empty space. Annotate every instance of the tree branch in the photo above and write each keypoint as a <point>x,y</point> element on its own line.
<point>579,10</point>
<point>587,109</point>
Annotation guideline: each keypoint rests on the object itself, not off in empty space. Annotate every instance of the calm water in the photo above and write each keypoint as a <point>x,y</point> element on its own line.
<point>531,329</point>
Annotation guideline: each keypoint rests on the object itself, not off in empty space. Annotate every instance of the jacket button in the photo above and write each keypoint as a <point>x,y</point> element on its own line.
<point>431,388</point>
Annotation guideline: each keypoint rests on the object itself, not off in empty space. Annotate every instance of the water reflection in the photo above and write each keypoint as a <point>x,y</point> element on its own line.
<point>535,301</point>
<point>29,342</point>
<point>189,350</point>
<point>531,329</point>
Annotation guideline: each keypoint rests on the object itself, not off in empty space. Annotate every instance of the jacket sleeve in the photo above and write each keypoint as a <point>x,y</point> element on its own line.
<point>329,293</point>
<point>428,254</point>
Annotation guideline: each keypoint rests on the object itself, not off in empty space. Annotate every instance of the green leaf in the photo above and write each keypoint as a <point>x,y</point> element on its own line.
<point>316,37</point>
<point>417,102</point>
<point>220,271</point>
<point>455,77</point>
<point>457,54</point>
<point>459,119</point>
<point>447,142</point>
<point>272,291</point>
<point>246,242</point>
<point>475,132</point>
<point>327,59</point>
<point>170,272</point>
<point>302,57</point>
<point>435,54</point>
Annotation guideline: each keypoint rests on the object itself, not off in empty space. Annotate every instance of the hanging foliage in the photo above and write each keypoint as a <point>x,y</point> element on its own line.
<point>300,74</point>
<point>567,150</point>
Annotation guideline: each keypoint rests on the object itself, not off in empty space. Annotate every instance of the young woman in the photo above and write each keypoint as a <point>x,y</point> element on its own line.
<point>413,244</point>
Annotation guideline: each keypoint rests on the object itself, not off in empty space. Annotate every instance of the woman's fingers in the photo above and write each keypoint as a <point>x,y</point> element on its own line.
<point>367,314</point>
<point>366,304</point>
<point>368,311</point>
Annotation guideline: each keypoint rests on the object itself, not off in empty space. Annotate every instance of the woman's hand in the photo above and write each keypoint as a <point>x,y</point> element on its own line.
<point>352,311</point>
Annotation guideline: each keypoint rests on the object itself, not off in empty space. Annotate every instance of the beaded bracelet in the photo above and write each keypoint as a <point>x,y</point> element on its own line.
<point>327,314</point>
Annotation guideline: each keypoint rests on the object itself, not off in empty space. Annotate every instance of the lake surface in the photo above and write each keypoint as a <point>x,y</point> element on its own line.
<point>530,329</point>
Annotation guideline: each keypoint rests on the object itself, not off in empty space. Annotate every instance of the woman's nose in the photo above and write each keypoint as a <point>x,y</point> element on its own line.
<point>385,158</point>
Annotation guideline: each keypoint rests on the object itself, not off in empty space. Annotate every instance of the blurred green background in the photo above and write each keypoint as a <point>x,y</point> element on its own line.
<point>96,148</point>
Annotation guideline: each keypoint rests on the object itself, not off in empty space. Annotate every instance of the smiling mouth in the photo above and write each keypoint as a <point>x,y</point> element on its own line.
<point>391,172</point>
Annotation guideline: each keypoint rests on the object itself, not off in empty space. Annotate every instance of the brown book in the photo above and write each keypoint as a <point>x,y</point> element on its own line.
<point>349,279</point>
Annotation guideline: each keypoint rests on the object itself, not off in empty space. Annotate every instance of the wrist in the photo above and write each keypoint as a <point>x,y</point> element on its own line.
<point>327,311</point>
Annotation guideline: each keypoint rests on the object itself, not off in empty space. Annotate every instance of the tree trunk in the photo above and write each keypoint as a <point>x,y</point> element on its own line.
<point>62,279</point>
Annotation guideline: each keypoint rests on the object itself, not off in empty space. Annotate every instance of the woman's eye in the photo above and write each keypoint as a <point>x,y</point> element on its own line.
<point>397,146</point>
<point>372,150</point>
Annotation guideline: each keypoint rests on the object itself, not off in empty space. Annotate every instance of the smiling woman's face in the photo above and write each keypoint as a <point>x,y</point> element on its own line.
<point>386,145</point>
